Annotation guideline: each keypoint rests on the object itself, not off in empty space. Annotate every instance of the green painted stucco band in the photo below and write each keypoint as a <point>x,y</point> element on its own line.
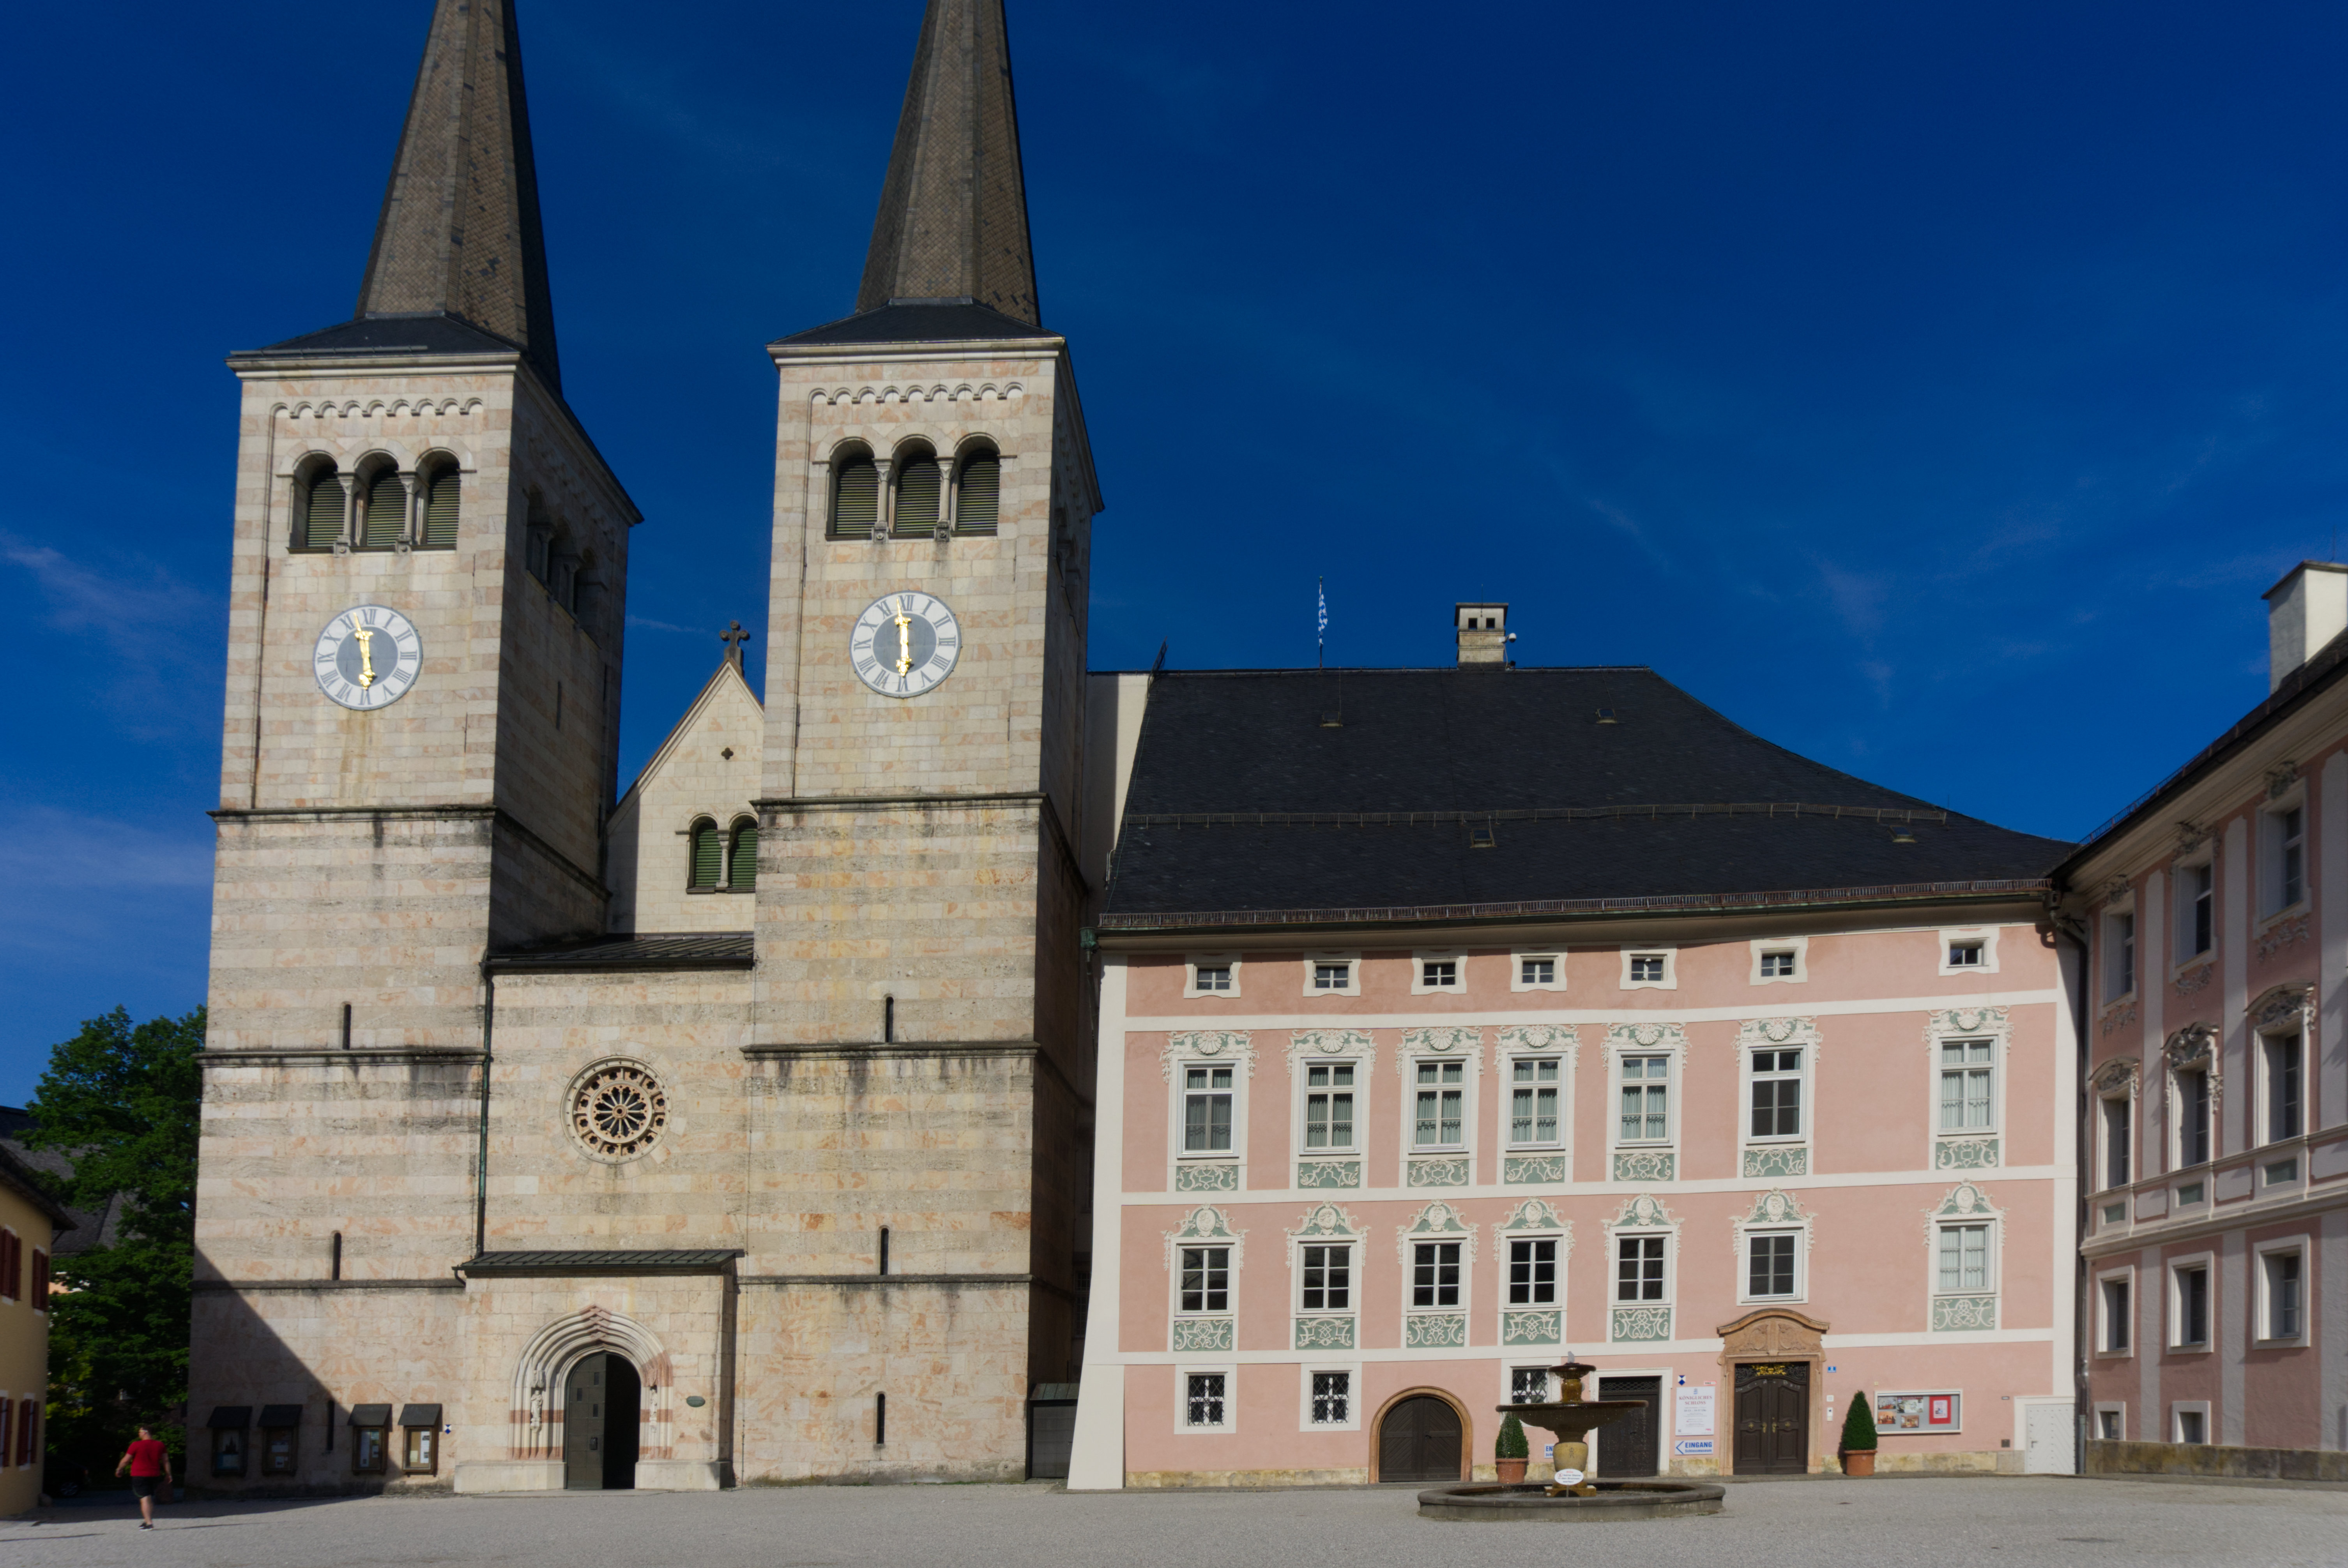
<point>1324,1334</point>
<point>1434,1329</point>
<point>1329,1173</point>
<point>1640,1323</point>
<point>1958,1312</point>
<point>1534,1328</point>
<point>1204,1334</point>
<point>1206,1178</point>
<point>1524,1170</point>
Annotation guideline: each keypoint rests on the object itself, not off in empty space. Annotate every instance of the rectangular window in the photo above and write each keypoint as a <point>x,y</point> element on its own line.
<point>2120,934</point>
<point>1532,1102</point>
<point>2193,1116</point>
<point>1647,969</point>
<point>2282,1286</point>
<point>1438,973</point>
<point>2107,1425</point>
<point>1777,1094</point>
<point>1966,953</point>
<point>1639,1268</point>
<point>2118,1115</point>
<point>1333,1398</point>
<point>1532,1273</point>
<point>1777,966</point>
<point>1214,978</point>
<point>1965,1087</point>
<point>1440,1086</point>
<point>2116,1315</point>
<point>1206,1279</point>
<point>2192,1426</point>
<point>1328,1278</point>
<point>1329,1105</point>
<point>2192,1306</point>
<point>1204,1406</point>
<point>1207,1111</point>
<point>1769,1264</point>
<point>1528,1386</point>
<point>1435,1273</point>
<point>2197,909</point>
<point>1335,976</point>
<point>2289,830</point>
<point>1537,972</point>
<point>1964,1258</point>
<point>1646,1110</point>
<point>2282,1060</point>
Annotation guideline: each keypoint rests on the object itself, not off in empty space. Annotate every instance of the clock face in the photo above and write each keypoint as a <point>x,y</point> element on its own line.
<point>904,643</point>
<point>367,657</point>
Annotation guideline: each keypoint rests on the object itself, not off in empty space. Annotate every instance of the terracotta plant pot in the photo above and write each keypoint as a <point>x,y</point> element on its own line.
<point>1512,1470</point>
<point>1859,1461</point>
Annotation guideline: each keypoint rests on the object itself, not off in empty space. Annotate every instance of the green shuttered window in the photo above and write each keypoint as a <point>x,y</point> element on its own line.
<point>742,865</point>
<point>982,489</point>
<point>386,523</point>
<point>855,504</point>
<point>918,488</point>
<point>708,854</point>
<point>321,512</point>
<point>440,497</point>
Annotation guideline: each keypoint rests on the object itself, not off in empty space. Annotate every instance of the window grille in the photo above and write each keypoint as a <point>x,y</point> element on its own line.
<point>1205,1405</point>
<point>1333,1397</point>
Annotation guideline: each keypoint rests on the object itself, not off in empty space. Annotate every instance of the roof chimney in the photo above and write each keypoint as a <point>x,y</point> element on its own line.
<point>2305,611</point>
<point>1484,635</point>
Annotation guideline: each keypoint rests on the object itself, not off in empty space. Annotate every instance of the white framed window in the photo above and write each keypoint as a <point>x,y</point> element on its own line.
<point>1780,960</point>
<point>1650,969</point>
<point>1528,1385</point>
<point>1324,1277</point>
<point>1436,1275</point>
<point>1776,1095</point>
<point>1211,974</point>
<point>2283,1079</point>
<point>1536,1102</point>
<point>2197,911</point>
<point>2119,954</point>
<point>1433,974</point>
<point>2116,1143</point>
<point>1209,1109</point>
<point>1330,1399</point>
<point>2189,1421</point>
<point>1644,1089</point>
<point>2279,1277</point>
<point>1439,1103</point>
<point>1329,1100</point>
<point>2115,1313</point>
<point>2282,829</point>
<point>1534,1262</point>
<point>1209,1398</point>
<point>1202,1288</point>
<point>2193,1118</point>
<point>1967,1082</point>
<point>1642,1268</point>
<point>2191,1303</point>
<point>1542,969</point>
<point>1968,950</point>
<point>2111,1422</point>
<point>1965,1257</point>
<point>1333,974</point>
<point>1772,1266</point>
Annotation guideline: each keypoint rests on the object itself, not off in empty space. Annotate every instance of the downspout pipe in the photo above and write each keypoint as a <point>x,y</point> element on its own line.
<point>481,1151</point>
<point>2075,932</point>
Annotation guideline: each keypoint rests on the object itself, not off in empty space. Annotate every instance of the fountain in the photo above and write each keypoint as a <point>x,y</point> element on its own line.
<point>1573,1497</point>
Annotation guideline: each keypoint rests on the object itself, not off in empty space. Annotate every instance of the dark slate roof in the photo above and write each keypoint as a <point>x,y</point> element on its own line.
<point>584,1261</point>
<point>1244,803</point>
<point>77,1230</point>
<point>918,320</point>
<point>624,951</point>
<point>433,333</point>
<point>370,1415</point>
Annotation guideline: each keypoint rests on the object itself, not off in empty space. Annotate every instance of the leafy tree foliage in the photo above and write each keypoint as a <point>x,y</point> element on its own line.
<point>124,1102</point>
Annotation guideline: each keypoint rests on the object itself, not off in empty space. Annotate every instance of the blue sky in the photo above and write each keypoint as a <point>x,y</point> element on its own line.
<point>1932,388</point>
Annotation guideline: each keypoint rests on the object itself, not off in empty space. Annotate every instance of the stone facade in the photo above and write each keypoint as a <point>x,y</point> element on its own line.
<point>706,772</point>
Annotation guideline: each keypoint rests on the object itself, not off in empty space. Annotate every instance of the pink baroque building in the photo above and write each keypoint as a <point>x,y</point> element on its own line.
<point>1455,1018</point>
<point>2215,1107</point>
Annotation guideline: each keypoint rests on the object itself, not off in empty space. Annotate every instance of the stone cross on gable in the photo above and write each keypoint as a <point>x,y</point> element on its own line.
<point>734,637</point>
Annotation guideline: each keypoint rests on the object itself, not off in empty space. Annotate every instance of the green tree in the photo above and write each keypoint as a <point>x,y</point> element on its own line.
<point>124,1102</point>
<point>1858,1427</point>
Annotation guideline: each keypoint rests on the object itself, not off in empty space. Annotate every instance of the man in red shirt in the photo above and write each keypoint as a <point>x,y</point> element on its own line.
<point>149,1464</point>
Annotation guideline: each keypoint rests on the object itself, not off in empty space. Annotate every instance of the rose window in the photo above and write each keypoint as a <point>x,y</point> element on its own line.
<point>619,1111</point>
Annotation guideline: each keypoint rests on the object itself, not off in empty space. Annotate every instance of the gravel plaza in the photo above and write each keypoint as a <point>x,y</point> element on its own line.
<point>2014,1522</point>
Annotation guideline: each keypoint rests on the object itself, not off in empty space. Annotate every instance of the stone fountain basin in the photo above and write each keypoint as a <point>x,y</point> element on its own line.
<point>1569,1419</point>
<point>1529,1502</point>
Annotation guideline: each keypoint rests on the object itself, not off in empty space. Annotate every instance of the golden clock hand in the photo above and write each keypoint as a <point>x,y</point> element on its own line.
<point>366,657</point>
<point>905,640</point>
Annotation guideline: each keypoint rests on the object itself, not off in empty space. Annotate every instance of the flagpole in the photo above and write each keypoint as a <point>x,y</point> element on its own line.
<point>1321,632</point>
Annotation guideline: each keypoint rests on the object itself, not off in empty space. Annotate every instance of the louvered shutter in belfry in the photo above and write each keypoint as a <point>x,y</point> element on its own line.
<point>857,506</point>
<point>916,500</point>
<point>981,485</point>
<point>386,523</point>
<point>440,510</point>
<point>322,513</point>
<point>742,874</point>
<point>707,851</point>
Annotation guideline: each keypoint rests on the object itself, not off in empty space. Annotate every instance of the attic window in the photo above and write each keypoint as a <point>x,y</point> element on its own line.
<point>1479,836</point>
<point>1606,716</point>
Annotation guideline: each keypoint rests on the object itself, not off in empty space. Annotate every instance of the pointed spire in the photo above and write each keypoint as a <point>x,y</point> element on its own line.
<point>953,210</point>
<point>460,232</point>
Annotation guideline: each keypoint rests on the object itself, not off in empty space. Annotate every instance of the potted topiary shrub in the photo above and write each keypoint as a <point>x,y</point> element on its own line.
<point>1510,1450</point>
<point>1859,1438</point>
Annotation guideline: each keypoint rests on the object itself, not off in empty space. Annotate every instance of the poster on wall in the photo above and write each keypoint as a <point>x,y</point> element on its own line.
<point>1691,1424</point>
<point>1918,1411</point>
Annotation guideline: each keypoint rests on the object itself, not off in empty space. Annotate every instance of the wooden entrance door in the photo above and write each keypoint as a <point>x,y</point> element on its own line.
<point>1420,1441</point>
<point>601,1401</point>
<point>1773,1418</point>
<point>1627,1448</point>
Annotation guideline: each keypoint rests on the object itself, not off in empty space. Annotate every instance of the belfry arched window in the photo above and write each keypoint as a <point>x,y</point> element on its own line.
<point>742,857</point>
<point>707,863</point>
<point>442,491</point>
<point>382,521</point>
<point>855,497</point>
<point>318,524</point>
<point>920,488</point>
<point>978,491</point>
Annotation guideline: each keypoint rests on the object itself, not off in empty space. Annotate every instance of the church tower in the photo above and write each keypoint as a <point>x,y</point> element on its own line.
<point>428,590</point>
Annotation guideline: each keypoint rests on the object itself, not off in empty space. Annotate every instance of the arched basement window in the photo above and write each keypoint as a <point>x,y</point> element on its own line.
<point>441,494</point>
<point>919,485</point>
<point>980,493</point>
<point>742,864</point>
<point>856,498</point>
<point>708,855</point>
<point>321,512</point>
<point>387,512</point>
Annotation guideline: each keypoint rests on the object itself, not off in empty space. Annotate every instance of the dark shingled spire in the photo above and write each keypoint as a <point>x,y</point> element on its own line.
<point>954,212</point>
<point>459,232</point>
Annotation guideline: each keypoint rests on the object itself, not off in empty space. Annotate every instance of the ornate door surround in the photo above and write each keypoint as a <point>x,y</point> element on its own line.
<point>1771,1334</point>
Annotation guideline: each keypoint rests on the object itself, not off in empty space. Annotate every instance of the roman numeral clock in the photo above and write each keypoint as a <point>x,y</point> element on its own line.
<point>904,644</point>
<point>367,657</point>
